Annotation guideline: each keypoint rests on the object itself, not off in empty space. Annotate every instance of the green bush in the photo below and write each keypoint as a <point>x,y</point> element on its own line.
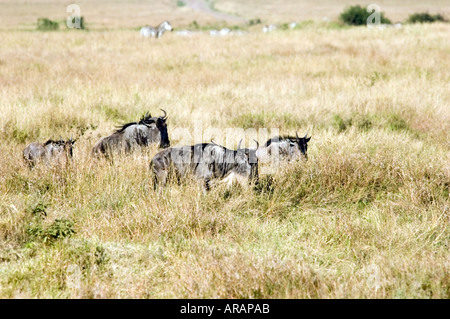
<point>194,25</point>
<point>82,26</point>
<point>357,15</point>
<point>254,21</point>
<point>425,17</point>
<point>44,24</point>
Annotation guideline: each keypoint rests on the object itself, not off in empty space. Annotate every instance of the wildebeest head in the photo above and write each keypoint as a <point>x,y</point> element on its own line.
<point>247,162</point>
<point>302,145</point>
<point>252,160</point>
<point>157,127</point>
<point>68,146</point>
<point>61,146</point>
<point>161,125</point>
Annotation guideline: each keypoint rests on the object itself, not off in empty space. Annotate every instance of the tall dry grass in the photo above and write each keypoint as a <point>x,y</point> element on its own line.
<point>366,217</point>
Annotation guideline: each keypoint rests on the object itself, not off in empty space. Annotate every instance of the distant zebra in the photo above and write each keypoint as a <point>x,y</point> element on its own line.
<point>156,32</point>
<point>269,28</point>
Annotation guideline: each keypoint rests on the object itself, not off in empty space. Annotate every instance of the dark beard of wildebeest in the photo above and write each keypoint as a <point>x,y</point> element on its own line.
<point>206,161</point>
<point>49,152</point>
<point>132,136</point>
<point>286,147</point>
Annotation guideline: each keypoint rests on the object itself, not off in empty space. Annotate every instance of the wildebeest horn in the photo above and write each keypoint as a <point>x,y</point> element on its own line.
<point>145,116</point>
<point>257,143</point>
<point>306,134</point>
<point>165,114</point>
<point>296,134</point>
<point>239,145</point>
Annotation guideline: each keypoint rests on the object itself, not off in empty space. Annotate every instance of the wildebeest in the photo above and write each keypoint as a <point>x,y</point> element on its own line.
<point>52,151</point>
<point>206,161</point>
<point>285,148</point>
<point>134,135</point>
<point>156,32</point>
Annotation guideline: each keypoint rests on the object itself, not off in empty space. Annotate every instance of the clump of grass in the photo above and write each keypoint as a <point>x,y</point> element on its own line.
<point>111,112</point>
<point>336,25</point>
<point>341,124</point>
<point>22,135</point>
<point>39,210</point>
<point>59,229</point>
<point>180,3</point>
<point>14,132</point>
<point>266,120</point>
<point>397,123</point>
<point>363,122</point>
<point>45,24</point>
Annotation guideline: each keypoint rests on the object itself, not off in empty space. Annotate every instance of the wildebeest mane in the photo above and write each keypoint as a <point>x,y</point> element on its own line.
<point>146,119</point>
<point>52,142</point>
<point>280,138</point>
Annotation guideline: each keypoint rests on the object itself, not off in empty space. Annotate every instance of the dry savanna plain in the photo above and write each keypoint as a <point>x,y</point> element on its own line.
<point>367,216</point>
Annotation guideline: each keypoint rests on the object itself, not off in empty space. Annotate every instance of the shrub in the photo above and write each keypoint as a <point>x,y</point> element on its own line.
<point>194,25</point>
<point>180,3</point>
<point>357,15</point>
<point>425,17</point>
<point>44,24</point>
<point>82,26</point>
<point>254,21</point>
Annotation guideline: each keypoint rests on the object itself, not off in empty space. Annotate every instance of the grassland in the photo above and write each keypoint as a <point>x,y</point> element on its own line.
<point>366,217</point>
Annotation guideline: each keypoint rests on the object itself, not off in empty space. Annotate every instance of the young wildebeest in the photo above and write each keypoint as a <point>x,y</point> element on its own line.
<point>284,148</point>
<point>206,161</point>
<point>132,136</point>
<point>48,152</point>
<point>156,32</point>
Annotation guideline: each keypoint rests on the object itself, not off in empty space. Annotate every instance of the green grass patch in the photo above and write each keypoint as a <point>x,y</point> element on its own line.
<point>59,229</point>
<point>45,24</point>
<point>267,120</point>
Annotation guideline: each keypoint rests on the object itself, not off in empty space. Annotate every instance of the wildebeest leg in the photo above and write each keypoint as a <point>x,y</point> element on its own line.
<point>207,184</point>
<point>178,175</point>
<point>160,179</point>
<point>30,163</point>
